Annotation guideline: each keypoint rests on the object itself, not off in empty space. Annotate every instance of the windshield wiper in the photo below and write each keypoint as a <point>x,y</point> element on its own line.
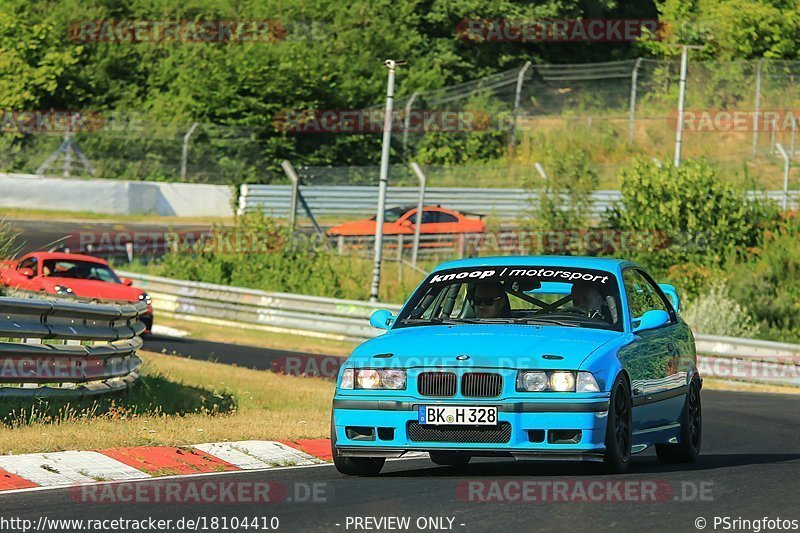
<point>547,321</point>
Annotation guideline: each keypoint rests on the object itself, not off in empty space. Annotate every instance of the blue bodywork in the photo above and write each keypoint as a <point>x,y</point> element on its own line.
<point>658,363</point>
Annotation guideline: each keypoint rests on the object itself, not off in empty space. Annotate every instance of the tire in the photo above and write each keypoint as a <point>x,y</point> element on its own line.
<point>450,459</point>
<point>619,433</point>
<point>688,448</point>
<point>354,466</point>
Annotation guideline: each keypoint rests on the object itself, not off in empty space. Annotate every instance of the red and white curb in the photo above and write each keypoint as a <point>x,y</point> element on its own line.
<point>71,468</point>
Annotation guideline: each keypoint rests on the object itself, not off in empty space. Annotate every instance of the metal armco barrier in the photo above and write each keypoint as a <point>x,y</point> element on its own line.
<point>51,348</point>
<point>275,200</point>
<point>270,311</point>
<point>749,360</point>
<point>722,357</point>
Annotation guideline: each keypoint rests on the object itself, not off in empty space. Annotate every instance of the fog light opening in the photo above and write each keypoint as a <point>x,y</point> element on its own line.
<point>386,433</point>
<point>564,436</point>
<point>360,433</point>
<point>535,435</point>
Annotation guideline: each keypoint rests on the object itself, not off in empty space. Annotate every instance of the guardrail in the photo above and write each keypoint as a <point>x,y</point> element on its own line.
<point>269,311</point>
<point>275,200</point>
<point>53,348</point>
<point>721,357</point>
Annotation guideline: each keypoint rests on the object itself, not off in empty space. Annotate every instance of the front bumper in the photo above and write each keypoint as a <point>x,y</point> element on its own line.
<point>533,426</point>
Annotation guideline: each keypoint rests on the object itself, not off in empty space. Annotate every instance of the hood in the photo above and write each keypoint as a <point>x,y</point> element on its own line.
<point>495,346</point>
<point>101,290</point>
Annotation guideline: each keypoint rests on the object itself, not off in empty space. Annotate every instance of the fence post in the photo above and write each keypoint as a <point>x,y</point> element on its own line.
<point>295,179</point>
<point>340,244</point>
<point>772,136</point>
<point>461,246</point>
<point>634,76</point>
<point>420,204</point>
<point>794,128</point>
<point>185,153</point>
<point>757,113</point>
<point>407,120</point>
<point>517,95</point>
<point>785,176</point>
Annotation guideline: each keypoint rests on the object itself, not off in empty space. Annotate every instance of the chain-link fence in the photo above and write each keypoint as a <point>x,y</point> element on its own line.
<point>486,132</point>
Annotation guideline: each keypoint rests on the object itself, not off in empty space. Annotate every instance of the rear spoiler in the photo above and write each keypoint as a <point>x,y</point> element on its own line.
<point>467,213</point>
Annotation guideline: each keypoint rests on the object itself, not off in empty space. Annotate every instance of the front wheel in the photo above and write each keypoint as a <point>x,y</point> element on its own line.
<point>619,433</point>
<point>354,466</point>
<point>688,448</point>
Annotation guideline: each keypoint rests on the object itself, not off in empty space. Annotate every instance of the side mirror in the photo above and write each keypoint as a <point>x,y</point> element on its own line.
<point>127,281</point>
<point>408,222</point>
<point>27,272</point>
<point>652,319</point>
<point>381,319</point>
<point>672,294</point>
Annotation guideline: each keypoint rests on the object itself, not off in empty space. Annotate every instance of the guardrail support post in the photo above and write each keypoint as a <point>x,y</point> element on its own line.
<point>340,244</point>
<point>420,205</point>
<point>461,246</point>
<point>400,257</point>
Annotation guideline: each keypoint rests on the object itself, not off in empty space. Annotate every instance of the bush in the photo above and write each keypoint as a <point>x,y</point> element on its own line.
<point>714,312</point>
<point>258,253</point>
<point>701,218</point>
<point>565,197</point>
<point>769,283</point>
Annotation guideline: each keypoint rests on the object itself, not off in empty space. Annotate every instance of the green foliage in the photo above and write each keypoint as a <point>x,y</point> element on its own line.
<point>728,29</point>
<point>769,283</point>
<point>715,312</point>
<point>260,254</point>
<point>564,198</point>
<point>701,218</point>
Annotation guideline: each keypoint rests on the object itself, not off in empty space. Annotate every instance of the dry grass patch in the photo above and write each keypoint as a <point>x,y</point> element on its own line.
<point>178,402</point>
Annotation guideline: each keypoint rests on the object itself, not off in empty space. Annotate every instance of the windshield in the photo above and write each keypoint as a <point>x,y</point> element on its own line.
<point>393,214</point>
<point>78,270</point>
<point>534,295</point>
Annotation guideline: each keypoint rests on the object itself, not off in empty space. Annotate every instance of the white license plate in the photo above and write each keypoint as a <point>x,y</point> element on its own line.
<point>457,415</point>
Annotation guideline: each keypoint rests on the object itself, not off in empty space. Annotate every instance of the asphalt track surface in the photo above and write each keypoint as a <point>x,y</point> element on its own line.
<point>749,469</point>
<point>42,235</point>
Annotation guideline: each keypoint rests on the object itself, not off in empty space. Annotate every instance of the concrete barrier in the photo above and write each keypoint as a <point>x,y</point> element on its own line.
<point>115,197</point>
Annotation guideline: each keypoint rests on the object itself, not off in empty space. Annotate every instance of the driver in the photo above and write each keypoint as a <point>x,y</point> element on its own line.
<point>588,299</point>
<point>491,301</point>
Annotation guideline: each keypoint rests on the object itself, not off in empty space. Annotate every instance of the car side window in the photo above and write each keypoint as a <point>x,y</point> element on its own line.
<point>28,263</point>
<point>447,217</point>
<point>642,296</point>
<point>429,217</point>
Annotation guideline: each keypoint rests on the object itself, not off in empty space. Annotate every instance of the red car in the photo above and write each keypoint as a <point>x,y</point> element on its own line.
<point>77,275</point>
<point>401,220</point>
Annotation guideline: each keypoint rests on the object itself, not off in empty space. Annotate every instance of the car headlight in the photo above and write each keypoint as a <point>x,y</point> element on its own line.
<point>368,379</point>
<point>144,297</point>
<point>562,381</point>
<point>533,381</point>
<point>371,379</point>
<point>61,289</point>
<point>393,379</point>
<point>556,381</point>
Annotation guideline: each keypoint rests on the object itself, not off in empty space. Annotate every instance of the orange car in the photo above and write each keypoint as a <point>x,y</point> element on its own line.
<point>401,220</point>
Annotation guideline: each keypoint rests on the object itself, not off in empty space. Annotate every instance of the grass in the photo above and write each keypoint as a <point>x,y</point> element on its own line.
<point>60,215</point>
<point>742,386</point>
<point>179,402</point>
<point>253,337</point>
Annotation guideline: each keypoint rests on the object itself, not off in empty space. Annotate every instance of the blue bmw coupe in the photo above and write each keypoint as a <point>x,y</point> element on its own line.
<point>554,358</point>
